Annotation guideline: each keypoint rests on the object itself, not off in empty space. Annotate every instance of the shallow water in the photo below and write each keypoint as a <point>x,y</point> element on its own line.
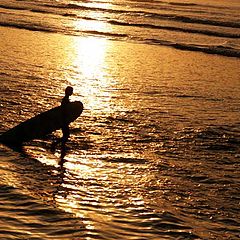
<point>154,155</point>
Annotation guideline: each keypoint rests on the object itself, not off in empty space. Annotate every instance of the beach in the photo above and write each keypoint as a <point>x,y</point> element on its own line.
<point>155,153</point>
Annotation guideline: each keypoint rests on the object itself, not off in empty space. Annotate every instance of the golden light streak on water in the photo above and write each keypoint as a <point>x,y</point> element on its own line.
<point>90,56</point>
<point>91,79</point>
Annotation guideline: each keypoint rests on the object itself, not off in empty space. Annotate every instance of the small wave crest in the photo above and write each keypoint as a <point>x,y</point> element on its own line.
<point>180,29</point>
<point>226,138</point>
<point>188,19</point>
<point>26,26</point>
<point>210,49</point>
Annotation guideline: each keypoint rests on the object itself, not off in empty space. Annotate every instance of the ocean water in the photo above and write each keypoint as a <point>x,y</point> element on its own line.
<point>156,151</point>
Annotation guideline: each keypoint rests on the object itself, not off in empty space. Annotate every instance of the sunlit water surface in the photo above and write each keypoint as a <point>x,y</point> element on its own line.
<point>155,154</point>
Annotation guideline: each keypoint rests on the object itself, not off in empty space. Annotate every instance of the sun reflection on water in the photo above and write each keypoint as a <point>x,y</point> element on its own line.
<point>91,79</point>
<point>97,186</point>
<point>99,192</point>
<point>90,56</point>
<point>89,66</point>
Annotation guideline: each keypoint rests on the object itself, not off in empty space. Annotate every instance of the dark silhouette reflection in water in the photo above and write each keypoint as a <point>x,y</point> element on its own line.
<point>29,172</point>
<point>59,191</point>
